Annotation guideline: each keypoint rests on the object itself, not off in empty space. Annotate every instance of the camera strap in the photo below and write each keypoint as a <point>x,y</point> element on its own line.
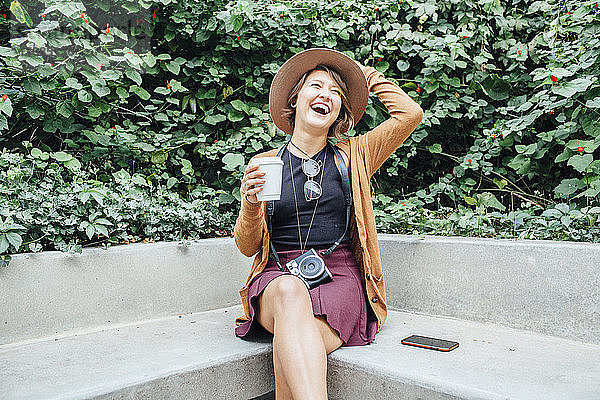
<point>347,199</point>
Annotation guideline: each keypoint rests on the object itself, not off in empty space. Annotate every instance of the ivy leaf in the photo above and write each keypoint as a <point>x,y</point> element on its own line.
<point>580,161</point>
<point>595,103</point>
<point>171,182</point>
<point>14,239</point>
<point>102,229</point>
<point>495,87</point>
<point>215,119</point>
<point>134,76</point>
<point>47,25</point>
<point>570,88</point>
<point>101,91</point>
<point>235,116</point>
<point>3,243</point>
<point>20,13</point>
<point>89,231</point>
<point>173,67</point>
<point>84,96</point>
<point>232,161</point>
<point>141,92</point>
<point>61,156</point>
<point>73,83</point>
<point>567,187</point>
<point>435,148</point>
<point>471,201</point>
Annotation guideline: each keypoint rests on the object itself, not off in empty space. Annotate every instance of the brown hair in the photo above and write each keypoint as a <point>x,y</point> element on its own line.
<point>345,120</point>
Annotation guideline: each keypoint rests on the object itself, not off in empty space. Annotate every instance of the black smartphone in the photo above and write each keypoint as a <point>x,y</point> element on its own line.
<point>430,343</point>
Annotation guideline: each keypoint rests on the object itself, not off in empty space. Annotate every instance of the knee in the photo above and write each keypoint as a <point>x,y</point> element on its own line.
<point>290,292</point>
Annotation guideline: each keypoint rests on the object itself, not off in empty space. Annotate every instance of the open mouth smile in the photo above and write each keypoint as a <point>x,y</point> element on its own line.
<point>320,108</point>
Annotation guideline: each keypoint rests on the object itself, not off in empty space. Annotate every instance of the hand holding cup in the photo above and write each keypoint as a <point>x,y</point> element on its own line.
<point>252,182</point>
<point>262,179</point>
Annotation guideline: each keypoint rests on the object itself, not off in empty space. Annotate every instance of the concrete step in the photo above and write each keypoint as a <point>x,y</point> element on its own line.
<point>197,356</point>
<point>492,363</point>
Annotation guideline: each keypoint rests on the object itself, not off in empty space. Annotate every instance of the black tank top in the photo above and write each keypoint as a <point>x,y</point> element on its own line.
<point>330,216</point>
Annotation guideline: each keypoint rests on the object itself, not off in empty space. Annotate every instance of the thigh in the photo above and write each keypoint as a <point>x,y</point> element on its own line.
<point>331,338</point>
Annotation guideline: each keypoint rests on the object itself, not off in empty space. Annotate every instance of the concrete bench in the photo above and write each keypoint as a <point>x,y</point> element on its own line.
<point>155,321</point>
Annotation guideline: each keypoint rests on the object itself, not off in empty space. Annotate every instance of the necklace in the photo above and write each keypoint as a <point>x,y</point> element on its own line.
<point>303,246</point>
<point>292,143</point>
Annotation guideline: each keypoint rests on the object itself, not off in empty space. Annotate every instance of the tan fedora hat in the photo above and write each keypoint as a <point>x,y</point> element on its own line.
<point>293,69</point>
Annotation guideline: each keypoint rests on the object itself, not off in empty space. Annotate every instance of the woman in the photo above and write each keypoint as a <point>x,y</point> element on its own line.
<point>317,94</point>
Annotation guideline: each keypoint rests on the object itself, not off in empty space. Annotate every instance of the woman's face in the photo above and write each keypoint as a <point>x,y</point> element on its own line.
<point>318,102</point>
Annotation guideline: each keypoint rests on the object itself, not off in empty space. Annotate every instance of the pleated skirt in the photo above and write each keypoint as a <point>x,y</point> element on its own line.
<point>342,301</point>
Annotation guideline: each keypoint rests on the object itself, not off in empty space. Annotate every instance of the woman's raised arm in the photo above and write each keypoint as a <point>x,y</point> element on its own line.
<point>405,116</point>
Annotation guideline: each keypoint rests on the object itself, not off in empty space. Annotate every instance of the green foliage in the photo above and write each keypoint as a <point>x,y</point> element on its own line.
<point>171,98</point>
<point>49,204</point>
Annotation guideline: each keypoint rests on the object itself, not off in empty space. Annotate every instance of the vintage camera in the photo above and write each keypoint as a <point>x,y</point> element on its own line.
<point>311,268</point>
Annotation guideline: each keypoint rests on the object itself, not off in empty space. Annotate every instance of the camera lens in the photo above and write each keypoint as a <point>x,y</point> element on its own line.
<point>311,267</point>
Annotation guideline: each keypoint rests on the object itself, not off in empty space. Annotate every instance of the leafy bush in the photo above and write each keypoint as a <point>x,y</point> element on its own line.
<point>49,205</point>
<point>175,94</point>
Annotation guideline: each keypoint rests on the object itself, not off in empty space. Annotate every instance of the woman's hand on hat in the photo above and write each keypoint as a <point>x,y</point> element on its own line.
<point>252,182</point>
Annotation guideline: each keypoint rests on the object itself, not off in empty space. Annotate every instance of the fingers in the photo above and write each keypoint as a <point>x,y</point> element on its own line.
<point>252,182</point>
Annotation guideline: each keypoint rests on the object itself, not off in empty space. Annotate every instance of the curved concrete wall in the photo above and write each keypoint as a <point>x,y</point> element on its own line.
<point>53,292</point>
<point>548,287</point>
<point>543,286</point>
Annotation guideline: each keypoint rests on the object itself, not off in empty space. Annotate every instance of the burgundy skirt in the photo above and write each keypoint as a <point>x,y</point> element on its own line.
<point>342,301</point>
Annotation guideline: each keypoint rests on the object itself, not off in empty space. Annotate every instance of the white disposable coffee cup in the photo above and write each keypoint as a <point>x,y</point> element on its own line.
<point>273,168</point>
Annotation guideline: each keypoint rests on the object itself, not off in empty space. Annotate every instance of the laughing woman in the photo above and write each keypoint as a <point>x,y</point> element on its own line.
<point>338,298</point>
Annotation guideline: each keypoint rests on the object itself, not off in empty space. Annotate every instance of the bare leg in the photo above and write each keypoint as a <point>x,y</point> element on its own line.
<point>282,390</point>
<point>301,341</point>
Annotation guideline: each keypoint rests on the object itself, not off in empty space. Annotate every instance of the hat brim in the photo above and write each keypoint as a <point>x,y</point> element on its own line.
<point>293,69</point>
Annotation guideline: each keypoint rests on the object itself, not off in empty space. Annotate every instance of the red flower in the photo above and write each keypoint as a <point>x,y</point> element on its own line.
<point>85,21</point>
<point>553,78</point>
<point>580,149</point>
<point>107,30</point>
<point>153,15</point>
<point>362,29</point>
<point>82,15</point>
<point>493,135</point>
<point>4,97</point>
<point>569,12</point>
<point>379,59</point>
<point>168,86</point>
<point>418,90</point>
<point>216,141</point>
<point>464,37</point>
<point>520,52</point>
<point>114,127</point>
<point>376,8</point>
<point>43,15</point>
<point>281,15</point>
<point>4,16</point>
<point>470,161</point>
<point>237,38</point>
<point>137,21</point>
<point>551,112</point>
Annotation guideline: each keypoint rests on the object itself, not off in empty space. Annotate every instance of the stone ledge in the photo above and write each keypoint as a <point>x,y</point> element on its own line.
<point>173,358</point>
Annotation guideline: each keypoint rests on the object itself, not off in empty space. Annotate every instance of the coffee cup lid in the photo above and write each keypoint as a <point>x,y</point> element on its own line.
<point>268,160</point>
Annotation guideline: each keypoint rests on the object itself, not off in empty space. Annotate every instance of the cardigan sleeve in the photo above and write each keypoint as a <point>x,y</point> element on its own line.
<point>248,229</point>
<point>405,115</point>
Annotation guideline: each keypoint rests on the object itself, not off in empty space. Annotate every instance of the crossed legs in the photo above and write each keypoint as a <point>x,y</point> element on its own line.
<point>301,341</point>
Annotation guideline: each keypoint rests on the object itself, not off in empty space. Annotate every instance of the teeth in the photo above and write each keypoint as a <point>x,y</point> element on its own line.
<point>321,109</point>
